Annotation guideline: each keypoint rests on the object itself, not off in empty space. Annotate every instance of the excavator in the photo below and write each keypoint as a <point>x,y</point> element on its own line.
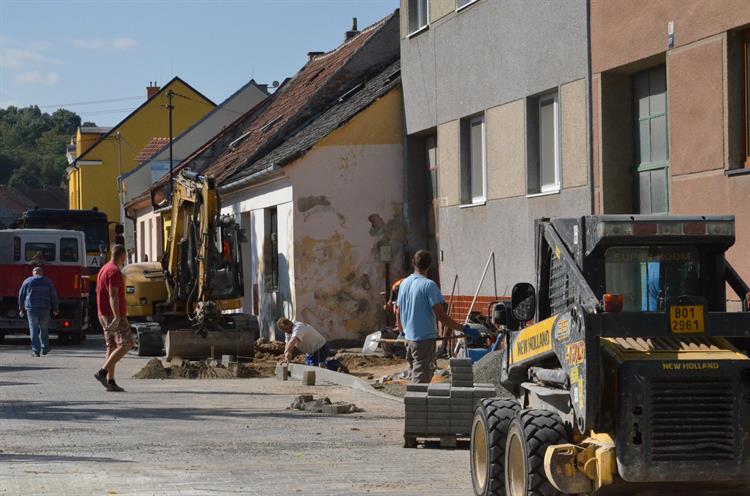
<point>194,292</point>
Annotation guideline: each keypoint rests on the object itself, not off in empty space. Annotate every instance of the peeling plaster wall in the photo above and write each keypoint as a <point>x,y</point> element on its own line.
<point>348,202</point>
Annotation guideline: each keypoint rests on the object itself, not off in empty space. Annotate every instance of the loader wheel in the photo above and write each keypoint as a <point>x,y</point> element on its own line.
<point>488,435</point>
<point>530,433</point>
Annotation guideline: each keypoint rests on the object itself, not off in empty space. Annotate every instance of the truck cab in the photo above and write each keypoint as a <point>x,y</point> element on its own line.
<point>62,255</point>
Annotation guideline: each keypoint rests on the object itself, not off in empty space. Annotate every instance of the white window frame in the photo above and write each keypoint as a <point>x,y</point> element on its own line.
<point>464,6</point>
<point>466,164</point>
<point>426,25</point>
<point>550,187</point>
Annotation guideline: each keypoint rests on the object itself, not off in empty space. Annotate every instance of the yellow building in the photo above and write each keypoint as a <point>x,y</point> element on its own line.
<point>93,177</point>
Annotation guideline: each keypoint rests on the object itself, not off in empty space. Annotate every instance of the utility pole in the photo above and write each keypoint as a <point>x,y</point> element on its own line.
<point>170,107</point>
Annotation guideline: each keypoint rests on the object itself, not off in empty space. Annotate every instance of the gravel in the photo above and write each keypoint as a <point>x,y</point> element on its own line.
<point>487,370</point>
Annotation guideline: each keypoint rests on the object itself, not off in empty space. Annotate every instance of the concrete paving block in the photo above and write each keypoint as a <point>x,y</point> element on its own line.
<point>462,384</point>
<point>438,416</point>
<point>440,389</point>
<point>308,378</point>
<point>282,372</point>
<point>417,388</point>
<point>228,359</point>
<point>463,375</point>
<point>460,362</point>
<point>462,392</point>
<point>438,400</point>
<point>415,397</point>
<point>335,409</point>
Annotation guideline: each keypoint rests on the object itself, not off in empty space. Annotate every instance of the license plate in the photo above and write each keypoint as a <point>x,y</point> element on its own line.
<point>684,319</point>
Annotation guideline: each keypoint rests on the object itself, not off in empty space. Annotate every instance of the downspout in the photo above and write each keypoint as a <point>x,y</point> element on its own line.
<point>590,111</point>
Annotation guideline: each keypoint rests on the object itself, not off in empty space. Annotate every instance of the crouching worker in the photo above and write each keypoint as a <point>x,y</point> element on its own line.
<point>306,339</point>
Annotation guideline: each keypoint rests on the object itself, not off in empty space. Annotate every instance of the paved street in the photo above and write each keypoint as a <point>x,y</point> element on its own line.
<point>63,434</point>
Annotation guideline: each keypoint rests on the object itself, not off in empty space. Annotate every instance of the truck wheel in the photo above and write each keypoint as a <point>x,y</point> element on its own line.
<point>488,435</point>
<point>530,433</point>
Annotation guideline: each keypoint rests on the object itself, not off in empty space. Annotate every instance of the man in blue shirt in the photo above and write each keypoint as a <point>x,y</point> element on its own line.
<point>37,298</point>
<point>418,308</point>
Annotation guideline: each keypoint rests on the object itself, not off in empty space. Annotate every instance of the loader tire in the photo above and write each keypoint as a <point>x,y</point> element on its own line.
<point>489,430</point>
<point>530,433</point>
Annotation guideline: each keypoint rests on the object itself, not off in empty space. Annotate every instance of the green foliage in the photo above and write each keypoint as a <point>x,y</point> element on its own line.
<point>32,146</point>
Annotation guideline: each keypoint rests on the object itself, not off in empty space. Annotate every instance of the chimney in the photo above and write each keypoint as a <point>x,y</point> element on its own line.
<point>354,31</point>
<point>312,55</point>
<point>151,89</point>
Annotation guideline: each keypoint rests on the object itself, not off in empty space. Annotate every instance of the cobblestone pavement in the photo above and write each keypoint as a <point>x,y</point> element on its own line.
<point>63,434</point>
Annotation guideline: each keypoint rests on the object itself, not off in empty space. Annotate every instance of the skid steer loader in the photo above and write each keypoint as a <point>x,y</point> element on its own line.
<point>199,277</point>
<point>624,364</point>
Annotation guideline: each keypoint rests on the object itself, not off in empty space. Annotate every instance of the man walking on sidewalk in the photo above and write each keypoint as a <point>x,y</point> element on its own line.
<point>110,299</point>
<point>38,298</point>
<point>419,305</point>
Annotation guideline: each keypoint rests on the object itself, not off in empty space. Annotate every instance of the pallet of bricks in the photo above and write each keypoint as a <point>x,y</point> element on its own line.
<point>444,411</point>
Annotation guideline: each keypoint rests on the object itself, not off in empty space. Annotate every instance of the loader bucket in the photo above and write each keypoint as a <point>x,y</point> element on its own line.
<point>186,344</point>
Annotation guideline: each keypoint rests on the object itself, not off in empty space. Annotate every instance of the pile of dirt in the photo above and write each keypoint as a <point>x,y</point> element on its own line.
<point>487,371</point>
<point>358,361</point>
<point>393,388</point>
<point>272,348</point>
<point>155,369</point>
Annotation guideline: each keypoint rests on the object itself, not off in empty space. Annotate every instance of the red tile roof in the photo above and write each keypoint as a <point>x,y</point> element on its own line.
<point>295,102</point>
<point>154,146</point>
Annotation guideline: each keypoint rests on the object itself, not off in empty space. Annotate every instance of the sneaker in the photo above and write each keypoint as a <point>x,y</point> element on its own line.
<point>35,353</point>
<point>102,378</point>
<point>113,387</point>
<point>44,352</point>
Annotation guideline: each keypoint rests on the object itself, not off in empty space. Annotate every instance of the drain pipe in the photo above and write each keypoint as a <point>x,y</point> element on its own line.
<point>590,110</point>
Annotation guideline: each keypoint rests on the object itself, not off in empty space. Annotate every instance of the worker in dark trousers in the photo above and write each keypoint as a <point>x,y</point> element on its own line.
<point>38,298</point>
<point>418,308</point>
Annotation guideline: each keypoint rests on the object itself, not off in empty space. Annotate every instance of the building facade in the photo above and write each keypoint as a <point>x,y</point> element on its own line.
<point>94,175</point>
<point>495,98</point>
<point>670,109</point>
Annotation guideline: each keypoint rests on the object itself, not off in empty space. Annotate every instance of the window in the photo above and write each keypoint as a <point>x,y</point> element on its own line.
<point>418,17</point>
<point>16,249</point>
<point>460,4</point>
<point>68,250</point>
<point>652,147</point>
<point>40,252</point>
<point>142,244</point>
<point>473,161</point>
<point>544,145</point>
<point>649,276</point>
<point>746,93</point>
<point>271,249</point>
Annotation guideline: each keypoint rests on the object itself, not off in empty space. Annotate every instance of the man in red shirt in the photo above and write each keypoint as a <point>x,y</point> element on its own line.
<point>112,309</point>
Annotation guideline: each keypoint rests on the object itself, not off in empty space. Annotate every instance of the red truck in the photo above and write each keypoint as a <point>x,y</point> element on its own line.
<point>62,254</point>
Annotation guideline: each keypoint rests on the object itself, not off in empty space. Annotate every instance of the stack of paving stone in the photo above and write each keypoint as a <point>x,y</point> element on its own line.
<point>445,409</point>
<point>462,372</point>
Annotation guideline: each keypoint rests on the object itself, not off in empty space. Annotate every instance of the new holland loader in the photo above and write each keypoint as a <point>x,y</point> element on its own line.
<point>198,279</point>
<point>624,363</point>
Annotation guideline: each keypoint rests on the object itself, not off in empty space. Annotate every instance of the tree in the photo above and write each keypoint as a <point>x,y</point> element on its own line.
<point>32,145</point>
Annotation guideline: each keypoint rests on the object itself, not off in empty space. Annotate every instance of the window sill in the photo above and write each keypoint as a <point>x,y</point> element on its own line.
<point>464,7</point>
<point>474,204</point>
<point>737,172</point>
<point>544,193</point>
<point>418,31</point>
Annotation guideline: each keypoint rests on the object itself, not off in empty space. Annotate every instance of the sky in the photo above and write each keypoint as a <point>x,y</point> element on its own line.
<point>70,53</point>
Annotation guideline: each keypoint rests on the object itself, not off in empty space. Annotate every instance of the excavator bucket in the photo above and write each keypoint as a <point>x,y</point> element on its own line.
<point>186,344</point>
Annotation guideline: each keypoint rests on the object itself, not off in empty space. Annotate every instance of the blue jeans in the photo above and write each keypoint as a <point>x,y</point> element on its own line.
<point>38,325</point>
<point>319,356</point>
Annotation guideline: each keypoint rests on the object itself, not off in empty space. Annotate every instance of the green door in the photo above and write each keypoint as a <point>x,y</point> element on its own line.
<point>651,172</point>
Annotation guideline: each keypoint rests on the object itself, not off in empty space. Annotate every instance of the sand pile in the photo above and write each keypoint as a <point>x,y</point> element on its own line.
<point>273,348</point>
<point>354,361</point>
<point>154,369</point>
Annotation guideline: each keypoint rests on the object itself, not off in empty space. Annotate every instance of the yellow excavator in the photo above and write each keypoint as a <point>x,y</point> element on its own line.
<point>191,293</point>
